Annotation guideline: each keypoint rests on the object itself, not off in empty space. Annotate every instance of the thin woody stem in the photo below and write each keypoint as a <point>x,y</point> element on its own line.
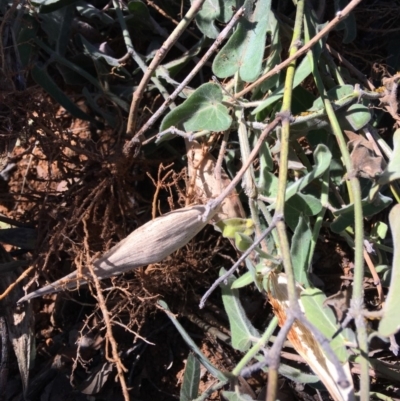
<point>339,17</point>
<point>213,48</point>
<point>161,53</point>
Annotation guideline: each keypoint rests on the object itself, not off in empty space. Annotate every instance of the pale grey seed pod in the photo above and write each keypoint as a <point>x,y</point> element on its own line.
<point>150,243</point>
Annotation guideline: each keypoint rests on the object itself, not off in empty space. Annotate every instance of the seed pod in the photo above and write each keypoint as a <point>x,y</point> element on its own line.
<point>150,243</point>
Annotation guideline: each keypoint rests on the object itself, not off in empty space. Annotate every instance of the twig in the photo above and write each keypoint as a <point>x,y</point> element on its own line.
<point>212,204</point>
<point>161,53</point>
<point>15,283</point>
<point>106,316</point>
<point>375,276</point>
<point>274,358</point>
<point>339,17</point>
<point>351,67</point>
<point>132,53</point>
<point>164,14</point>
<point>224,33</point>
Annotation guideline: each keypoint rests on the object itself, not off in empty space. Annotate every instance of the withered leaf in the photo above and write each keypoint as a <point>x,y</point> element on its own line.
<point>366,163</point>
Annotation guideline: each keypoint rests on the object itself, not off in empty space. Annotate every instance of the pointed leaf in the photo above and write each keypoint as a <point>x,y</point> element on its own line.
<point>243,332</point>
<point>191,379</point>
<point>358,116</point>
<point>299,250</point>
<point>203,110</point>
<point>243,242</point>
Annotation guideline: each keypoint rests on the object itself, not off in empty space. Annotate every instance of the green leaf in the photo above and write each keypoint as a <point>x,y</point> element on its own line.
<point>322,157</point>
<point>390,322</point>
<point>214,10</point>
<point>191,379</point>
<point>192,345</point>
<point>268,184</point>
<point>203,110</point>
<point>323,318</point>
<point>346,215</point>
<point>299,250</point>
<point>247,278</point>
<point>292,373</point>
<point>300,204</point>
<point>302,72</point>
<point>242,50</point>
<point>236,396</point>
<point>229,227</point>
<point>243,281</point>
<point>392,170</point>
<point>333,94</point>
<point>381,229</point>
<point>242,241</point>
<point>243,332</point>
<point>171,68</point>
<point>41,77</point>
<point>358,116</point>
<point>274,57</point>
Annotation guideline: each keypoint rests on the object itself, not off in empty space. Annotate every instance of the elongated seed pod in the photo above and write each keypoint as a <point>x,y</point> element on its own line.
<point>150,243</point>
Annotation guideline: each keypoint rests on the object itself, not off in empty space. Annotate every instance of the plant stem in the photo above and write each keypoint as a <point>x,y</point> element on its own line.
<point>283,161</point>
<point>131,50</point>
<point>355,195</point>
<point>280,201</point>
<point>252,352</point>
